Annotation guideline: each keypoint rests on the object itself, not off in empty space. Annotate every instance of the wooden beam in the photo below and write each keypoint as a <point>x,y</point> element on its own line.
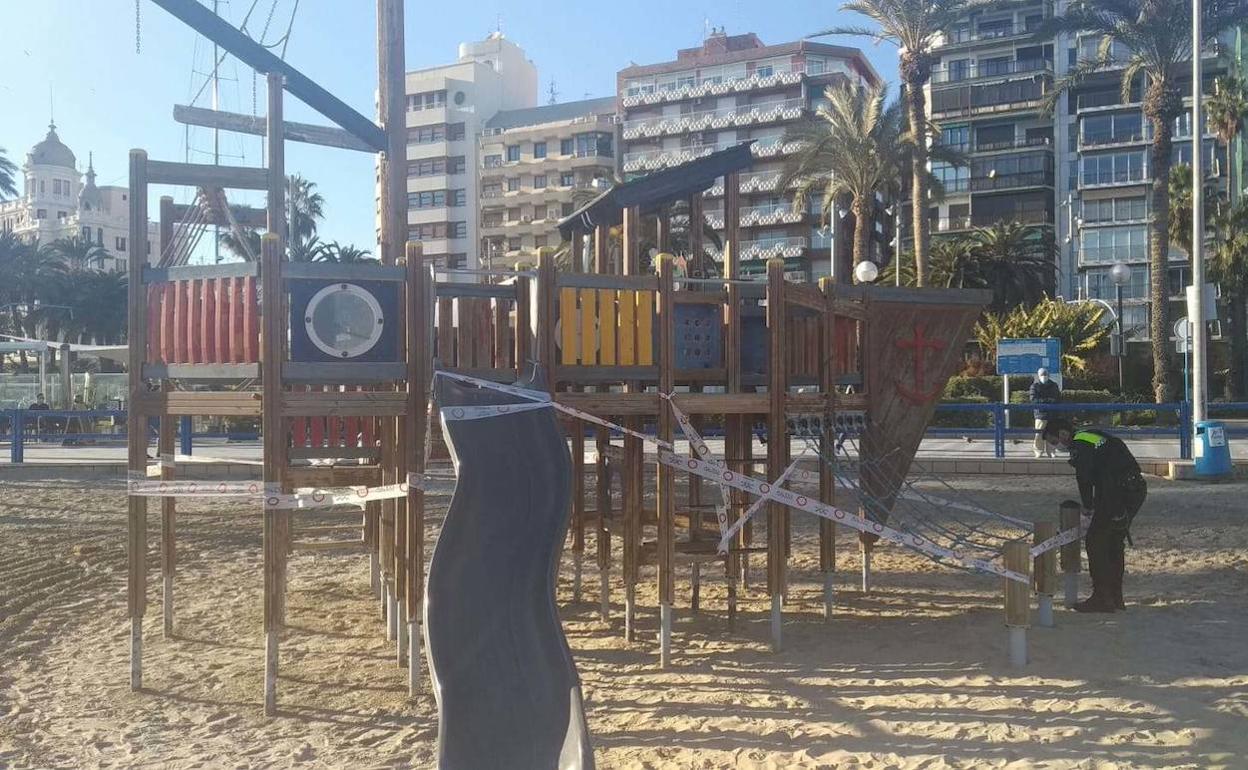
<point>274,456</point>
<point>259,58</point>
<point>363,403</point>
<point>778,445</point>
<point>307,133</point>
<point>202,175</point>
<point>136,429</point>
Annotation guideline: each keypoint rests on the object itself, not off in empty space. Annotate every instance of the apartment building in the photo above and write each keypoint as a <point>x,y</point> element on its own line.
<point>1081,171</point>
<point>448,107</point>
<point>1110,183</point>
<point>734,89</point>
<point>537,166</point>
<point>985,94</point>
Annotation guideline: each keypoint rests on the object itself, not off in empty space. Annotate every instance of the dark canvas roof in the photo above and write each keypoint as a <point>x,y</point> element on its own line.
<point>657,189</point>
<point>551,113</point>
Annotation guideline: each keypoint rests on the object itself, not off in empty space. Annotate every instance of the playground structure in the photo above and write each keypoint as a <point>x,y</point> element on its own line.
<point>620,349</point>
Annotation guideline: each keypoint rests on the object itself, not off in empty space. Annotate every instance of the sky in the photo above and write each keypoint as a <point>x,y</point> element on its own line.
<point>77,59</point>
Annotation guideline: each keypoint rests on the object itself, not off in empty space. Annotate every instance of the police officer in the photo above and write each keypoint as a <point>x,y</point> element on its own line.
<point>1113,490</point>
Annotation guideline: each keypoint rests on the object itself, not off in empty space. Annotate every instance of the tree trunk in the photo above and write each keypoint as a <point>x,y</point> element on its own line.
<point>1159,255</point>
<point>1237,328</point>
<point>861,207</point>
<point>916,109</point>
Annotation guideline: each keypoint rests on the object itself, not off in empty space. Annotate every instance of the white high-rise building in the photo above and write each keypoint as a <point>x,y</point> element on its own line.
<point>447,108</point>
<point>55,203</point>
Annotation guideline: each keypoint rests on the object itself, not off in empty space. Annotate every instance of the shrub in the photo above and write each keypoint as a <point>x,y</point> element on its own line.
<point>961,419</point>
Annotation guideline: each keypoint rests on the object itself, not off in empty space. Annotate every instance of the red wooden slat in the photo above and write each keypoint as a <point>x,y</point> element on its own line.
<point>368,430</point>
<point>318,431</point>
<point>179,322</point>
<point>299,431</point>
<point>194,342</point>
<point>207,320</point>
<point>168,329</point>
<point>153,324</point>
<point>236,321</point>
<point>220,312</point>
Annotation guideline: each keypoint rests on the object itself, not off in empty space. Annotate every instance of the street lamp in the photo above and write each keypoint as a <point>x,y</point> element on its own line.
<point>1120,274</point>
<point>866,272</point>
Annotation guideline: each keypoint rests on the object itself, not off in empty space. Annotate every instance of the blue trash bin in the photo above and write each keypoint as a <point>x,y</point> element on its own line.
<point>1211,450</point>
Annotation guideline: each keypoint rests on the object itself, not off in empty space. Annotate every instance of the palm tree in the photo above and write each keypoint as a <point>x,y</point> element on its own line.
<point>1018,263</point>
<point>914,26</point>
<point>79,254</point>
<point>1079,325</point>
<point>311,250</point>
<point>307,208</point>
<point>1228,265</point>
<point>1227,110</point>
<point>1157,38</point>
<point>8,176</point>
<point>852,147</point>
<point>245,245</point>
<point>344,254</point>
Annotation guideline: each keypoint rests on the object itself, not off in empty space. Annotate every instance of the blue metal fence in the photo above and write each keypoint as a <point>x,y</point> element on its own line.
<point>21,427</point>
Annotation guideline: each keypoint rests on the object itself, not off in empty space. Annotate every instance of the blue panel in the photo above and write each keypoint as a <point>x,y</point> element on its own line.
<point>303,350</point>
<point>753,343</point>
<point>699,336</point>
<point>1025,356</point>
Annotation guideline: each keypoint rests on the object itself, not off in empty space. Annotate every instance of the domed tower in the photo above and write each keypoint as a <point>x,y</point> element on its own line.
<point>52,177</point>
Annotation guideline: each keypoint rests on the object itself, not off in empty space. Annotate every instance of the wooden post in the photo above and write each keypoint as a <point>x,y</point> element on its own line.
<point>1044,569</point>
<point>274,457</point>
<point>737,442</point>
<point>827,447</point>
<point>777,440</point>
<point>136,428</point>
<point>697,255</point>
<point>665,498</point>
<point>165,455</point>
<point>1069,514</point>
<point>546,294</point>
<point>418,328</point>
<point>602,442</point>
<point>577,428</point>
<point>1017,557</point>
<point>634,457</point>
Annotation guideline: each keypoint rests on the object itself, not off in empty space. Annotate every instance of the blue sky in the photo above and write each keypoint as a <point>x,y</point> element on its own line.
<point>109,99</point>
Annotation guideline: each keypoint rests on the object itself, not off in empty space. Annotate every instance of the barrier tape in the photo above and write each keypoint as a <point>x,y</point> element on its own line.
<point>703,451</point>
<point>716,471</point>
<point>1061,538</point>
<point>328,498</point>
<point>138,485</point>
<point>450,413</point>
<point>755,508</point>
<point>270,494</point>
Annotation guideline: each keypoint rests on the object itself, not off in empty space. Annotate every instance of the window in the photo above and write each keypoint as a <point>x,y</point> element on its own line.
<point>1109,129</point>
<point>1100,285</point>
<point>513,244</point>
<point>994,137</point>
<point>953,178</point>
<point>456,198</point>
<point>455,132</point>
<point>119,244</point>
<point>539,182</point>
<point>959,69</point>
<point>513,184</point>
<point>99,236</point>
<point>957,137</point>
<point>539,149</point>
<point>539,241</point>
<point>455,165</point>
<point>591,144</point>
<point>492,191</point>
<point>56,187</point>
<point>493,161</point>
<point>1115,210</point>
<point>567,179</point>
<point>566,210</point>
<point>437,230</point>
<point>997,65</point>
<point>764,71</point>
<point>1113,168</point>
<point>43,188</point>
<point>86,233</point>
<point>513,153</point>
<point>426,100</point>
<point>426,134</point>
<point>816,65</point>
<point>566,146</point>
<point>1107,245</point>
<point>427,200</point>
<point>458,229</point>
<point>41,214</point>
<point>61,215</point>
<point>428,167</point>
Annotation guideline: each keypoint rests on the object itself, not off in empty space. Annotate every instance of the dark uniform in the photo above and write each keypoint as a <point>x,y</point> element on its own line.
<point>1110,486</point>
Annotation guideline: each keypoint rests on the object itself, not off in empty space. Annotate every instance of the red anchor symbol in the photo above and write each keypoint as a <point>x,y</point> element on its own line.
<point>919,344</point>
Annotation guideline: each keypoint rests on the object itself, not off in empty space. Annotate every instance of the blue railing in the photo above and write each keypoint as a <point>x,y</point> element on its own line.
<point>21,427</point>
<point>1177,425</point>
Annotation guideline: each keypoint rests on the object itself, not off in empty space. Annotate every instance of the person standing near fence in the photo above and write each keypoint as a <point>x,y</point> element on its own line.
<point>1112,490</point>
<point>1043,391</point>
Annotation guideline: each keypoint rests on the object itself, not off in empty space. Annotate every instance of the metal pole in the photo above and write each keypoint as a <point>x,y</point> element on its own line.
<point>897,248</point>
<point>216,133</point>
<point>1196,313</point>
<point>1122,341</point>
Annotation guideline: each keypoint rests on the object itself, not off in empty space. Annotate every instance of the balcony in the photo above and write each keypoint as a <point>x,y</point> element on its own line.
<point>756,181</point>
<point>946,75</point>
<point>951,224</point>
<point>1018,143</point>
<point>708,120</point>
<point>653,160</point>
<point>1011,181</point>
<point>691,88</point>
<point>992,98</point>
<point>1113,179</point>
<point>765,249</point>
<point>988,32</point>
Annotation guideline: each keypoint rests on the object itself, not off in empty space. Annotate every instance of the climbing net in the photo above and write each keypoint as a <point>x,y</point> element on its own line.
<point>914,500</point>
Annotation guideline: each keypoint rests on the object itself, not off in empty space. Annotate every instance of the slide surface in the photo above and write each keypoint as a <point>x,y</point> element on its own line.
<point>507,689</point>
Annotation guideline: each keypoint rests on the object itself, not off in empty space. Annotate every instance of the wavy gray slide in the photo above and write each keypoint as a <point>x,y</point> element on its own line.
<point>506,686</point>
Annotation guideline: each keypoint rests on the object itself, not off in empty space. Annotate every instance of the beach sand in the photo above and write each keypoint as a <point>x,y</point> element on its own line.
<point>913,675</point>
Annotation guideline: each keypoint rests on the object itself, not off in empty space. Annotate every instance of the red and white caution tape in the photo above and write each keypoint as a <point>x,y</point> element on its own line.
<point>755,508</point>
<point>270,495</point>
<point>718,472</point>
<point>1061,538</point>
<point>138,485</point>
<point>329,498</point>
<point>703,451</point>
<point>484,412</point>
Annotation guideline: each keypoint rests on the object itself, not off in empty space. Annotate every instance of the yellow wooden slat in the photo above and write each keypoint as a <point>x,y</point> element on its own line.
<point>568,321</point>
<point>606,327</point>
<point>645,328</point>
<point>589,340</point>
<point>628,333</point>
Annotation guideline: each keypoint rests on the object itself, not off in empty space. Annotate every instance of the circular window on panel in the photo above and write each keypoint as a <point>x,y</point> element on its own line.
<point>344,320</point>
<point>459,97</point>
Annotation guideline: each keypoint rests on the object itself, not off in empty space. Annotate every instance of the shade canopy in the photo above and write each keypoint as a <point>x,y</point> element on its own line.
<point>653,191</point>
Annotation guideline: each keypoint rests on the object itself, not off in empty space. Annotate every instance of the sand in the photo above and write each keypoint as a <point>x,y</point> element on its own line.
<point>913,675</point>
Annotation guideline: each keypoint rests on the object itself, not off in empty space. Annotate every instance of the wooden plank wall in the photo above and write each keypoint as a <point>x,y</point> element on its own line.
<point>606,327</point>
<point>476,333</point>
<point>203,321</point>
